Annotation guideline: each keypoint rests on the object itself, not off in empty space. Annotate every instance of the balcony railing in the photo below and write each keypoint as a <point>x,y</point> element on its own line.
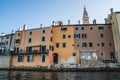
<point>32,52</point>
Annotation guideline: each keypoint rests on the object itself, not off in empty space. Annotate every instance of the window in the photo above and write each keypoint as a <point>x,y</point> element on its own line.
<point>102,54</point>
<point>110,44</point>
<point>76,28</point>
<point>43,31</point>
<point>18,34</point>
<point>69,36</point>
<point>101,29</point>
<point>84,35</point>
<point>63,29</point>
<point>29,49</point>
<point>20,58</point>
<point>112,55</point>
<point>74,54</point>
<point>91,28</point>
<point>64,36</point>
<point>30,58</point>
<point>51,39</point>
<point>101,35</point>
<point>50,47</point>
<point>43,38</point>
<point>43,49</point>
<point>43,58</point>
<point>76,36</point>
<point>84,44</point>
<point>30,40</point>
<point>17,41</point>
<point>17,50</point>
<point>82,28</point>
<point>77,45</point>
<point>102,44</point>
<point>57,45</point>
<point>90,44</point>
<point>98,44</point>
<point>30,33</point>
<point>64,45</point>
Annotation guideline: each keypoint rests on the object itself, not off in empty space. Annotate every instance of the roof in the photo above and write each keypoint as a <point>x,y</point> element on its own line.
<point>79,25</point>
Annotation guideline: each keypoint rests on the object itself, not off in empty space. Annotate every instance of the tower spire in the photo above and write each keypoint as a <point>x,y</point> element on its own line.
<point>85,16</point>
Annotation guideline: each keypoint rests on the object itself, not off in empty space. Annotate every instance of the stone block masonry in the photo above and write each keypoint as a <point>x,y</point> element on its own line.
<point>4,61</point>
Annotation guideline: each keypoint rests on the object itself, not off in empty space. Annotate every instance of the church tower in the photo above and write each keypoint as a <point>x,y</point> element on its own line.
<point>85,16</point>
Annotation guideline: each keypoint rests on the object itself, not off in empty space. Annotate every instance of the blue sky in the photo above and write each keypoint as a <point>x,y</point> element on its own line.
<point>15,13</point>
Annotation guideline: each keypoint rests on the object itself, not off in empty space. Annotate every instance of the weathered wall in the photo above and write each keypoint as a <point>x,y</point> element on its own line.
<point>4,61</point>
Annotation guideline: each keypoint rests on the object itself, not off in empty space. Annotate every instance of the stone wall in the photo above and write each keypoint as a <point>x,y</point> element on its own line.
<point>4,61</point>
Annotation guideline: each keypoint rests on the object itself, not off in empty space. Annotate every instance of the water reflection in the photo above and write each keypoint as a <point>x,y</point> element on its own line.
<point>37,75</point>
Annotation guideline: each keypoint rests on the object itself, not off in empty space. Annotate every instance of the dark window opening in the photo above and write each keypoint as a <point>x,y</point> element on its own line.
<point>84,44</point>
<point>17,41</point>
<point>18,34</point>
<point>63,29</point>
<point>30,33</point>
<point>84,36</point>
<point>43,38</point>
<point>64,45</point>
<point>91,28</point>
<point>20,58</point>
<point>74,54</point>
<point>57,45</point>
<point>43,58</point>
<point>90,44</point>
<point>69,36</point>
<point>30,58</point>
<point>76,36</point>
<point>102,44</point>
<point>30,40</point>
<point>101,29</point>
<point>76,28</point>
<point>43,31</point>
<point>112,55</point>
<point>101,35</point>
<point>29,49</point>
<point>82,28</point>
<point>51,39</point>
<point>64,36</point>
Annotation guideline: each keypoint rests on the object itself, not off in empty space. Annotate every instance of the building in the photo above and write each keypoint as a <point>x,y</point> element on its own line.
<point>94,41</point>
<point>6,43</point>
<point>33,48</point>
<point>66,44</point>
<point>63,42</point>
<point>114,19</point>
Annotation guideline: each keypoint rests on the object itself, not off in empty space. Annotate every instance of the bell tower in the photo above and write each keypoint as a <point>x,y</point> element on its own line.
<point>85,16</point>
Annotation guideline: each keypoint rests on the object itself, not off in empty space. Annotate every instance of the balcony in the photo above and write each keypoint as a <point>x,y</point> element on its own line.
<point>31,52</point>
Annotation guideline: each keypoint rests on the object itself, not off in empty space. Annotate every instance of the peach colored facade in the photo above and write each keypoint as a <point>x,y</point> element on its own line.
<point>63,42</point>
<point>94,40</point>
<point>32,48</point>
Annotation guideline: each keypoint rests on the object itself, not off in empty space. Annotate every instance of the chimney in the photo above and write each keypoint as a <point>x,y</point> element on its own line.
<point>78,21</point>
<point>25,27</point>
<point>68,22</point>
<point>111,10</point>
<point>53,23</point>
<point>106,20</point>
<point>94,21</point>
<point>40,25</point>
<point>2,34</point>
<point>12,31</point>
